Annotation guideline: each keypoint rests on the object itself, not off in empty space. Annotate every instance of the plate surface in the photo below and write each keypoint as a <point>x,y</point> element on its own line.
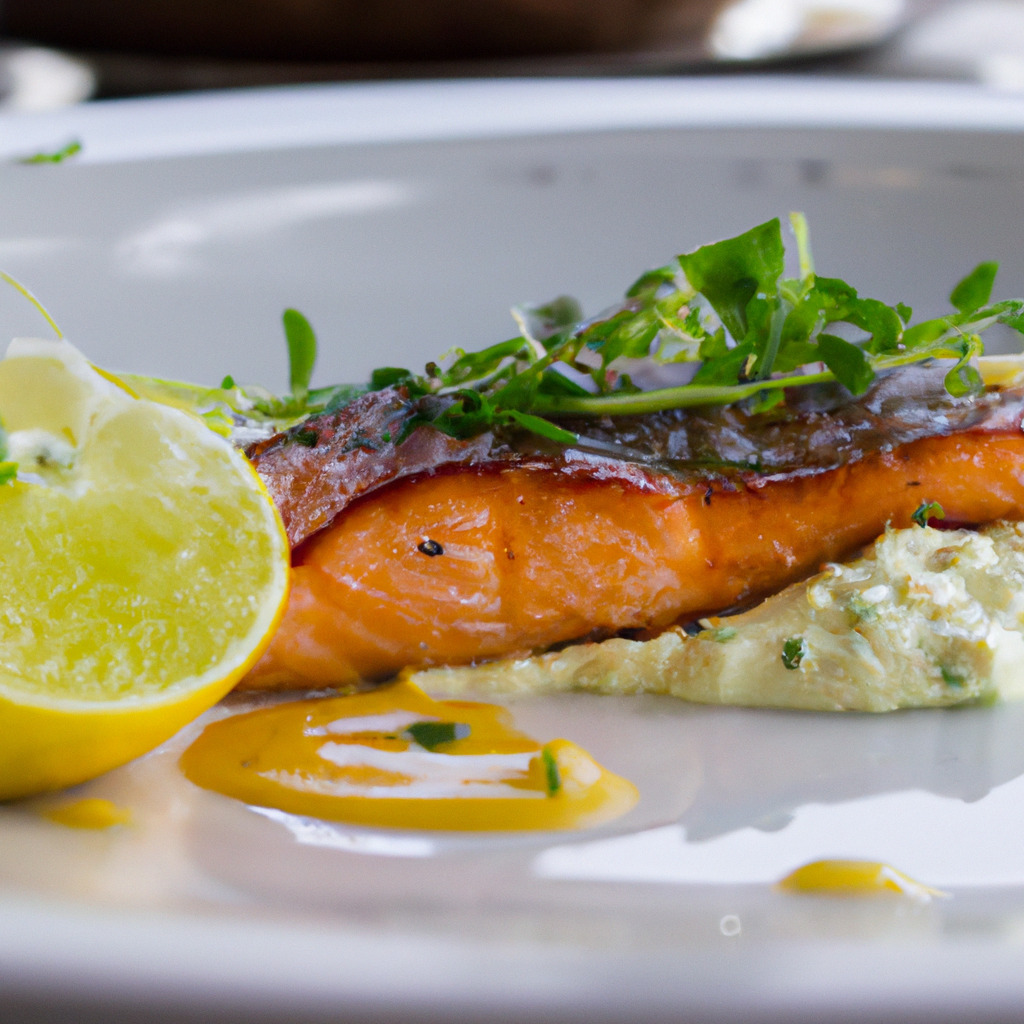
<point>403,220</point>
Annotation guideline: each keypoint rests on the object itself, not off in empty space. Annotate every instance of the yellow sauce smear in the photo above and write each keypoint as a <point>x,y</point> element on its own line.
<point>396,758</point>
<point>854,878</point>
<point>90,812</point>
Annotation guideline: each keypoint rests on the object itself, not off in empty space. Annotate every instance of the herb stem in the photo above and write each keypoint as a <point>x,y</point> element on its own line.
<point>771,349</point>
<point>688,395</point>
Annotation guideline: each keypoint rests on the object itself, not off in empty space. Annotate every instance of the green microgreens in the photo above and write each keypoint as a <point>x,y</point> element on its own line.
<point>303,401</point>
<point>727,308</point>
<point>725,316</point>
<point>231,407</point>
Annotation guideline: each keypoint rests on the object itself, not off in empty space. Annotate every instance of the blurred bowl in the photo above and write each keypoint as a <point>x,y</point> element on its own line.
<point>354,30</point>
<point>36,79</point>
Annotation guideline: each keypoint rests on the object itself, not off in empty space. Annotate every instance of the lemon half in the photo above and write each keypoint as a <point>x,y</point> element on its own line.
<point>143,569</point>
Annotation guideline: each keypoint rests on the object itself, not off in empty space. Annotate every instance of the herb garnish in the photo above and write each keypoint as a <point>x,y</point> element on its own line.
<point>431,735</point>
<point>57,156</point>
<point>724,317</point>
<point>232,408</point>
<point>727,308</point>
<point>951,677</point>
<point>552,773</point>
<point>925,511</point>
<point>794,650</point>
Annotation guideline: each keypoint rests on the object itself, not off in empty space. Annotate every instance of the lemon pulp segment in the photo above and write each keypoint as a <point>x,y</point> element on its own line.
<point>142,570</point>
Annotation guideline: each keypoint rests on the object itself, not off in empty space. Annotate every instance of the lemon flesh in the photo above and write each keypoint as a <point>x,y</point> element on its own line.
<point>143,569</point>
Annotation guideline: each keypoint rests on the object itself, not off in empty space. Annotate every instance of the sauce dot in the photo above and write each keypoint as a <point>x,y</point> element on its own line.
<point>90,812</point>
<point>854,878</point>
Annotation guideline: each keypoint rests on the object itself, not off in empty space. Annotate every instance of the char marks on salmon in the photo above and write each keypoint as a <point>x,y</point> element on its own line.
<point>316,470</point>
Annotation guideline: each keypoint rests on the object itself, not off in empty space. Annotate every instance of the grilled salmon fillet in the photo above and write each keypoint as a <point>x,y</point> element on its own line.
<point>426,550</point>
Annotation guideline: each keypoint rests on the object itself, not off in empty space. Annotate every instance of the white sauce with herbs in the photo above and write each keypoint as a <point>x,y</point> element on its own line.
<point>925,618</point>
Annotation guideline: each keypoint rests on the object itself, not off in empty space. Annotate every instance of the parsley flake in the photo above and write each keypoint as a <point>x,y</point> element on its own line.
<point>951,678</point>
<point>431,735</point>
<point>552,773</point>
<point>794,650</point>
<point>926,511</point>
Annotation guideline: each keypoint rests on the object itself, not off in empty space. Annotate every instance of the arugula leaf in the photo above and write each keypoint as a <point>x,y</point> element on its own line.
<point>975,290</point>
<point>731,272</point>
<point>847,361</point>
<point>748,333</point>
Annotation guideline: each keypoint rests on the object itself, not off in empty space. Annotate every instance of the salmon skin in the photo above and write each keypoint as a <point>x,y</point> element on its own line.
<point>315,470</point>
<point>427,549</point>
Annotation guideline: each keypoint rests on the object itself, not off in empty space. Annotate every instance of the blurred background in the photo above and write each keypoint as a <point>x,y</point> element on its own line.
<point>58,52</point>
<point>179,262</point>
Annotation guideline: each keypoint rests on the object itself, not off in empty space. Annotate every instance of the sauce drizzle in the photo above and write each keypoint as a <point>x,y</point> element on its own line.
<point>394,757</point>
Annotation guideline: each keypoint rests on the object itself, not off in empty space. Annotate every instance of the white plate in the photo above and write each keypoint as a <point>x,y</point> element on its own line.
<point>404,219</point>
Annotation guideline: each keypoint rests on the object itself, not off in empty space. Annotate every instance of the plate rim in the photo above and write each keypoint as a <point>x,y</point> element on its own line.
<point>162,961</point>
<point>80,939</point>
<point>345,114</point>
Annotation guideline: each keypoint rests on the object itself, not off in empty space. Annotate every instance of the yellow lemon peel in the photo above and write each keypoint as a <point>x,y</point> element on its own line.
<point>143,569</point>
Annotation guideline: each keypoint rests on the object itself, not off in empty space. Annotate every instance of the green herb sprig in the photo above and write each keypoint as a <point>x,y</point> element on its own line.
<point>232,408</point>
<point>552,772</point>
<point>56,156</point>
<point>726,316</point>
<point>728,308</point>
